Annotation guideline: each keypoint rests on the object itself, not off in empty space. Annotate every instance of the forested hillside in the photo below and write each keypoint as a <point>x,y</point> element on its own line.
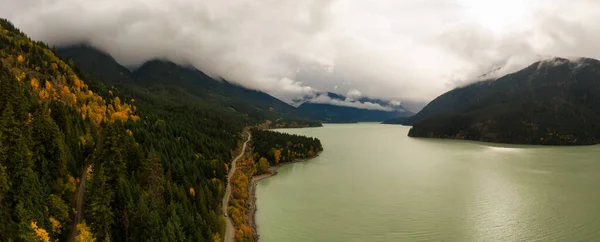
<point>186,85</point>
<point>152,173</point>
<point>146,162</point>
<point>551,102</point>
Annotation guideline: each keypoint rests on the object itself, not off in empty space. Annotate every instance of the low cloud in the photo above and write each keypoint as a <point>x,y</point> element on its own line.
<point>411,50</point>
<point>324,99</point>
<point>353,94</point>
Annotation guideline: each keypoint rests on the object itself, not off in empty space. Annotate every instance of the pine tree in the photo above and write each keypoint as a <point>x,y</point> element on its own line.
<point>100,210</point>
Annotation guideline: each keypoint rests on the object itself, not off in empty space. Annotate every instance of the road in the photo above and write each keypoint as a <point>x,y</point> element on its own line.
<point>79,203</point>
<point>229,229</point>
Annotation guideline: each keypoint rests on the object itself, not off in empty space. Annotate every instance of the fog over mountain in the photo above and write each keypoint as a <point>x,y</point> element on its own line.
<point>399,50</point>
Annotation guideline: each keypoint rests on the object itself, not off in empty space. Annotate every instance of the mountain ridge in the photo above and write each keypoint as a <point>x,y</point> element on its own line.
<point>550,102</point>
<point>374,110</point>
<point>160,76</point>
<point>83,160</point>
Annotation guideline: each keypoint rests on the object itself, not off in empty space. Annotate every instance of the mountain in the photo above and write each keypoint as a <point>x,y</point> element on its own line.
<point>173,81</point>
<point>456,100</point>
<point>551,102</point>
<point>123,159</point>
<point>53,128</point>
<point>332,113</point>
<point>100,64</point>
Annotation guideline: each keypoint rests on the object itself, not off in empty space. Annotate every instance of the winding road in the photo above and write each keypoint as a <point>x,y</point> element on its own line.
<point>229,229</point>
<point>79,203</point>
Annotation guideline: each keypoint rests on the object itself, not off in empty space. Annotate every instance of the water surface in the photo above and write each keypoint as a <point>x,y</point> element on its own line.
<point>373,183</point>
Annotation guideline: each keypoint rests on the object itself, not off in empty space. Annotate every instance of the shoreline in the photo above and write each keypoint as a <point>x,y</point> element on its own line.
<point>252,192</point>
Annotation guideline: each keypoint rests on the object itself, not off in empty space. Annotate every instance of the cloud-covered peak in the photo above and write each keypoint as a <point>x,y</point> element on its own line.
<point>325,99</point>
<point>356,101</point>
<point>402,50</point>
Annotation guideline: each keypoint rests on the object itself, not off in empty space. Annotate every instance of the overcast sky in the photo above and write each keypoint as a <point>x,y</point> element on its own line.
<point>396,49</point>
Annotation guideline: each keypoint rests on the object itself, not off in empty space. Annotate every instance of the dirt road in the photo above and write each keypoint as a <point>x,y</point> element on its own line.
<point>79,204</point>
<point>229,229</point>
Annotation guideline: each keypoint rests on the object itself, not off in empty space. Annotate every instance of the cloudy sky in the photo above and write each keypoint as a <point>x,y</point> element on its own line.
<point>397,49</point>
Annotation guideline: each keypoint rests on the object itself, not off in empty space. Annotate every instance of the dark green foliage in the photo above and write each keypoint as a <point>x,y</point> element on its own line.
<point>190,123</point>
<point>141,172</point>
<point>39,146</point>
<point>553,102</point>
<point>339,114</point>
<point>290,147</point>
<point>112,72</point>
<point>172,84</point>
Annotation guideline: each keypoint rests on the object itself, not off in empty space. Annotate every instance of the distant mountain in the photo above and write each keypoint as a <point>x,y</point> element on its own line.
<point>104,67</point>
<point>551,102</point>
<point>331,113</point>
<point>174,82</point>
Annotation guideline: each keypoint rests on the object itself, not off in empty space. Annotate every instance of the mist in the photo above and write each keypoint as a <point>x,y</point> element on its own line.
<point>412,50</point>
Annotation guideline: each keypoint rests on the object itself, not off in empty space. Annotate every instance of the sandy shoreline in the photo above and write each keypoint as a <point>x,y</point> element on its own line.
<point>252,193</point>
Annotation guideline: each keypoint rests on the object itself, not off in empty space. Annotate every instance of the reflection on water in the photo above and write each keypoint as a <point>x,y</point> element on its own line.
<point>373,183</point>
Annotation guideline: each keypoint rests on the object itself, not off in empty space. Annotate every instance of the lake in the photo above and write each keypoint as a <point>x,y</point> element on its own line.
<point>373,183</point>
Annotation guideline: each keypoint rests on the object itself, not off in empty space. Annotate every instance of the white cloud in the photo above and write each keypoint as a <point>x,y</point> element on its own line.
<point>324,99</point>
<point>403,50</point>
<point>353,94</point>
<point>288,89</point>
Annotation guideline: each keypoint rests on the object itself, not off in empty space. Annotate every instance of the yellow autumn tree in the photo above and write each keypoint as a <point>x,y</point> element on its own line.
<point>20,76</point>
<point>244,233</point>
<point>48,86</point>
<point>263,165</point>
<point>277,155</point>
<point>85,235</point>
<point>217,237</point>
<point>20,59</point>
<point>35,84</point>
<point>40,233</point>
<point>56,226</point>
<point>44,95</point>
<point>77,84</point>
<point>89,172</point>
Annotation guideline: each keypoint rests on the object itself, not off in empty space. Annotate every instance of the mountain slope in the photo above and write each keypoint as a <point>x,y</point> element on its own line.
<point>154,170</point>
<point>456,100</point>
<point>331,113</point>
<point>171,80</point>
<point>552,102</point>
<point>52,125</point>
<point>340,114</point>
<point>105,67</point>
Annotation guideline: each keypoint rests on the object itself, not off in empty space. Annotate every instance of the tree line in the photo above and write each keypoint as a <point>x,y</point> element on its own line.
<point>269,148</point>
<point>276,147</point>
<point>155,163</point>
<point>155,172</point>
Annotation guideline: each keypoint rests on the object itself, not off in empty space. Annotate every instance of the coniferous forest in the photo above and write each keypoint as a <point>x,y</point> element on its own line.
<point>141,166</point>
<point>278,147</point>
